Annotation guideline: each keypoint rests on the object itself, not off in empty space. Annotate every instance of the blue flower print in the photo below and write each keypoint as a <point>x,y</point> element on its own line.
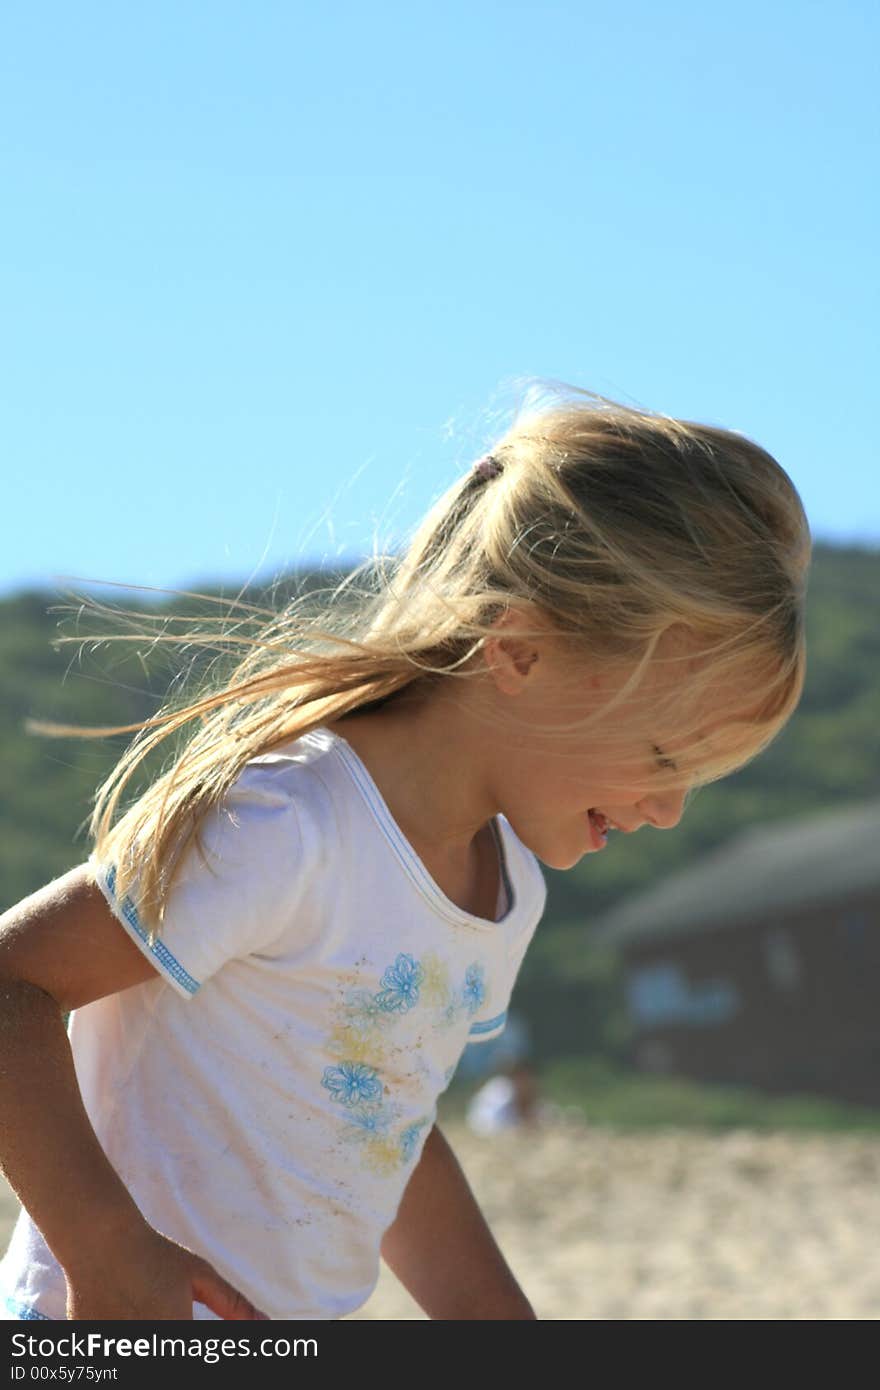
<point>370,1120</point>
<point>409,1138</point>
<point>352,1083</point>
<point>474,991</point>
<point>360,1003</point>
<point>401,986</point>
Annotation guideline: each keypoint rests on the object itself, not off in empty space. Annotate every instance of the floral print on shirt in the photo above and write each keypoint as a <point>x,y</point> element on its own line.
<point>474,991</point>
<point>352,1082</point>
<point>362,1037</point>
<point>401,986</point>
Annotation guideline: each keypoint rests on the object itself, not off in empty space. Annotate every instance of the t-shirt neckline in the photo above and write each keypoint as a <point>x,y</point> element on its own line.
<point>376,803</point>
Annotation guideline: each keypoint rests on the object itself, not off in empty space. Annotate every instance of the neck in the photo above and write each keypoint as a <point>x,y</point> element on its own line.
<point>426,760</point>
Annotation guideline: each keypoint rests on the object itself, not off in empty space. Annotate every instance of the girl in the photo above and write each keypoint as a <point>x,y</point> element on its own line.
<point>276,953</point>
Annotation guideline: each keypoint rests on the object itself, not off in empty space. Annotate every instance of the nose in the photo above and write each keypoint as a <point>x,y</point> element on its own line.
<point>664,809</point>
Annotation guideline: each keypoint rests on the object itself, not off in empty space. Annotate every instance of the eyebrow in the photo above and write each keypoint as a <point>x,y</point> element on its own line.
<point>665,762</point>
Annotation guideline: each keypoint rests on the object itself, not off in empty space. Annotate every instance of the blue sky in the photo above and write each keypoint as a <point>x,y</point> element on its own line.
<point>270,274</point>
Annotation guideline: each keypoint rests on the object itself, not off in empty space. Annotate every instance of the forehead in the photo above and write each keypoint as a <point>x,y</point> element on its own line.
<point>708,708</point>
<point>678,679</point>
<point>682,691</point>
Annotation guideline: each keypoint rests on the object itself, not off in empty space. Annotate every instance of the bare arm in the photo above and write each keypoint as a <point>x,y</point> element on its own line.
<point>60,949</point>
<point>442,1250</point>
<point>49,1152</point>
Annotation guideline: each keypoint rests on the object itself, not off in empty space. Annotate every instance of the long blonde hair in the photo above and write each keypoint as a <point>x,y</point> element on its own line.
<point>615,524</point>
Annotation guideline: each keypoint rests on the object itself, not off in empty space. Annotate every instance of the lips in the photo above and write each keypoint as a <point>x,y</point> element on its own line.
<point>599,825</point>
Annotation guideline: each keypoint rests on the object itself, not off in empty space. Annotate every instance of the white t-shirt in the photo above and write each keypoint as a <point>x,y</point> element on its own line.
<point>266,1097</point>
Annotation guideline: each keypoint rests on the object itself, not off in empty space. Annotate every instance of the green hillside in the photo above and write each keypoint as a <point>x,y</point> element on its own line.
<point>829,754</point>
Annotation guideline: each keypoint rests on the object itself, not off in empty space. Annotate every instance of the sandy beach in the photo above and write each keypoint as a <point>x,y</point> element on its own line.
<point>673,1224</point>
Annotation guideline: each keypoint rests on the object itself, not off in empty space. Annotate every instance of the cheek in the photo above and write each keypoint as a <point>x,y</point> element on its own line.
<point>620,791</point>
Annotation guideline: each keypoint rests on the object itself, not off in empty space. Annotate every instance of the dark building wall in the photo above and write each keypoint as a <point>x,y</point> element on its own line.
<point>791,1003</point>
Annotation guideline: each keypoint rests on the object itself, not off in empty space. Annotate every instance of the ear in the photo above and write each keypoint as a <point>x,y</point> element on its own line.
<point>511,654</point>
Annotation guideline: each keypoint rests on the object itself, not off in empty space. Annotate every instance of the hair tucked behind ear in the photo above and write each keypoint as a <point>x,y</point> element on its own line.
<point>616,526</point>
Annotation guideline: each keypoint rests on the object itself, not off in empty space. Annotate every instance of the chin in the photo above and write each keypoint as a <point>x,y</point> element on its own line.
<point>554,860</point>
<point>552,854</point>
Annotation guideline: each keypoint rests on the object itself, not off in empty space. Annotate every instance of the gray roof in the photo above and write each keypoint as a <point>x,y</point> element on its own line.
<point>775,867</point>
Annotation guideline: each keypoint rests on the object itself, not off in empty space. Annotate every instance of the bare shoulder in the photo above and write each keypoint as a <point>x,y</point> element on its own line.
<point>65,940</point>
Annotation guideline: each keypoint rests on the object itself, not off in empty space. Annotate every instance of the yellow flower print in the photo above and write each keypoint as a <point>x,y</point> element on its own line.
<point>358,1028</point>
<point>435,982</point>
<point>382,1155</point>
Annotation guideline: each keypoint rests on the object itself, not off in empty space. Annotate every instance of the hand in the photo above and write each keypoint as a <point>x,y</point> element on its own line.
<point>156,1280</point>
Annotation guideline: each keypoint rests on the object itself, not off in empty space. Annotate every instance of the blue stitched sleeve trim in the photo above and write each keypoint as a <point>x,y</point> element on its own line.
<point>170,964</point>
<point>491,1024</point>
<point>19,1310</point>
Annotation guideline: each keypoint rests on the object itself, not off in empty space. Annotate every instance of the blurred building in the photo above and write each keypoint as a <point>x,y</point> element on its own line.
<point>761,966</point>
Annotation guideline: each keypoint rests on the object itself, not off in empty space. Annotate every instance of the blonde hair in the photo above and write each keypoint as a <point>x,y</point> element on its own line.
<point>616,526</point>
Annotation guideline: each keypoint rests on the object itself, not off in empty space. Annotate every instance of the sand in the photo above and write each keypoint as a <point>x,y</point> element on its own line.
<point>675,1224</point>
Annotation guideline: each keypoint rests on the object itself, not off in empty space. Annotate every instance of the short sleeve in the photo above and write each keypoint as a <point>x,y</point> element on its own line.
<point>483,1029</point>
<point>259,853</point>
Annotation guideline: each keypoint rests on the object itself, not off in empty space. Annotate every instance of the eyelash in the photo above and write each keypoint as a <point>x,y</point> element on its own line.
<point>665,762</point>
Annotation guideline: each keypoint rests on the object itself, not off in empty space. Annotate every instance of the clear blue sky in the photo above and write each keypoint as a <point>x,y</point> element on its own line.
<point>269,272</point>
